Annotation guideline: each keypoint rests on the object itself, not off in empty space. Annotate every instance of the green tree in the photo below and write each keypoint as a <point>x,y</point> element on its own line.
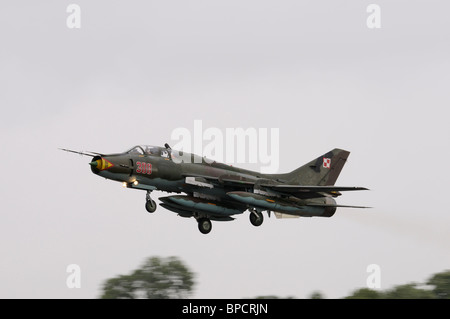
<point>408,291</point>
<point>316,295</point>
<point>157,278</point>
<point>441,283</point>
<point>365,293</point>
<point>267,297</point>
<point>272,297</point>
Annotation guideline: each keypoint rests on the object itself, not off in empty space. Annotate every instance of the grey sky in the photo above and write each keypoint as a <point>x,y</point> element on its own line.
<point>136,70</point>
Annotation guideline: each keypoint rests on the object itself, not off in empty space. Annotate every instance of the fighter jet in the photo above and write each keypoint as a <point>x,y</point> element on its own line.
<point>208,190</point>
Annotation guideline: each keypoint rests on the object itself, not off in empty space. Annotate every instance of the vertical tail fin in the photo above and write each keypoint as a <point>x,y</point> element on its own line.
<point>322,171</point>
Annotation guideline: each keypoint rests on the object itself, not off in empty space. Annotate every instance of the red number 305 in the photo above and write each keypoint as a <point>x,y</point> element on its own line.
<point>144,168</point>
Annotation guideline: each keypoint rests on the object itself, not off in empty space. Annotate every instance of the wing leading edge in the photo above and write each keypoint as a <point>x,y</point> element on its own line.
<point>303,191</point>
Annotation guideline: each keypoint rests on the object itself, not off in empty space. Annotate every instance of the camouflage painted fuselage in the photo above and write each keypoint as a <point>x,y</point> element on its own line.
<point>217,191</point>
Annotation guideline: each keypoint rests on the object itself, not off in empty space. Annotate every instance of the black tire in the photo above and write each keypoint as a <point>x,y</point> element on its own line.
<point>150,206</point>
<point>256,219</point>
<point>204,225</point>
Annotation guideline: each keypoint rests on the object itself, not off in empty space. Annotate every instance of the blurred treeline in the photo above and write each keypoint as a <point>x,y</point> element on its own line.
<point>165,278</point>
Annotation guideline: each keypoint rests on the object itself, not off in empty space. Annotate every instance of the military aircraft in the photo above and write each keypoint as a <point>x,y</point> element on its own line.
<point>217,191</point>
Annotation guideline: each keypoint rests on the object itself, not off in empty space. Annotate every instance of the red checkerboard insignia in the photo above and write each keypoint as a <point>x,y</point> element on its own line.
<point>327,162</point>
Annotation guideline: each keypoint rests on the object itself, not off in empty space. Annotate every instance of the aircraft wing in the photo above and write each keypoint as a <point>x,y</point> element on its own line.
<point>301,188</point>
<point>228,180</point>
<point>302,191</point>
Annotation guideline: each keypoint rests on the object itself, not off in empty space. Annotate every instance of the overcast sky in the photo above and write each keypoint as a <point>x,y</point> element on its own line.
<point>137,70</point>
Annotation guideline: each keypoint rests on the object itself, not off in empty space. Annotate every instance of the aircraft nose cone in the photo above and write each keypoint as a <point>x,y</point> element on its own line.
<point>101,164</point>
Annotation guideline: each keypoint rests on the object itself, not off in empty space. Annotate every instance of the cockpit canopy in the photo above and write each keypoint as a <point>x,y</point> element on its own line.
<point>174,155</point>
<point>149,150</point>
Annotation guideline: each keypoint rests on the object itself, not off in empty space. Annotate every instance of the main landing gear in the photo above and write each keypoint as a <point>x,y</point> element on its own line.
<point>150,204</point>
<point>204,225</point>
<point>256,217</point>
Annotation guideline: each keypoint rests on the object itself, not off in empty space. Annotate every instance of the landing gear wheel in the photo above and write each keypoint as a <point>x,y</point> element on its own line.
<point>204,225</point>
<point>256,218</point>
<point>150,206</point>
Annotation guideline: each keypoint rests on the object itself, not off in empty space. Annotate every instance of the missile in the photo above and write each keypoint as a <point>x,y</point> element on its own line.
<point>185,213</point>
<point>195,204</point>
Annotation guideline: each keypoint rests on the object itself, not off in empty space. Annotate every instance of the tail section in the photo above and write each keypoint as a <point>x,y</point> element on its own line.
<point>322,171</point>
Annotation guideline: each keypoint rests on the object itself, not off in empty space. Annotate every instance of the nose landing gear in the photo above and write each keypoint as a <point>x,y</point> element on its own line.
<point>150,204</point>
